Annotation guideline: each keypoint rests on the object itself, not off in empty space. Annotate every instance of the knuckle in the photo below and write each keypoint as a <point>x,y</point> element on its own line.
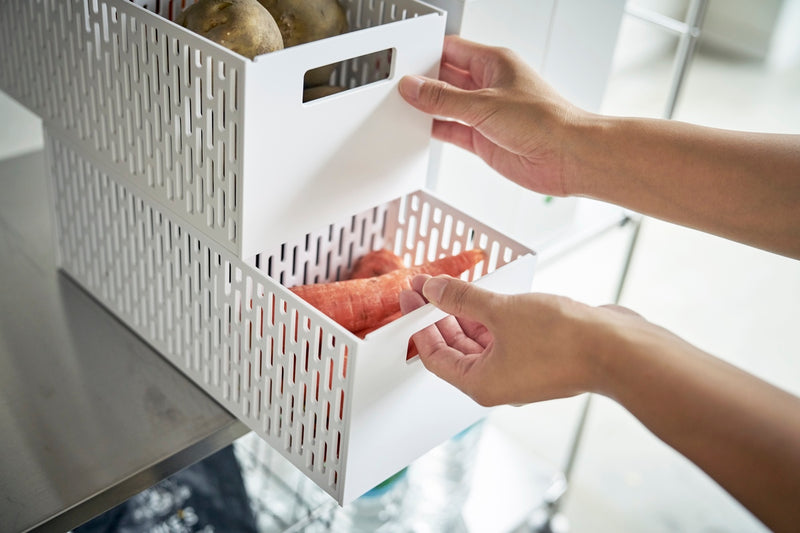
<point>458,296</point>
<point>504,60</point>
<point>506,55</point>
<point>436,94</point>
<point>481,108</point>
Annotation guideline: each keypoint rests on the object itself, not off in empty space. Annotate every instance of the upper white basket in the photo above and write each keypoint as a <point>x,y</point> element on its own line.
<point>223,142</point>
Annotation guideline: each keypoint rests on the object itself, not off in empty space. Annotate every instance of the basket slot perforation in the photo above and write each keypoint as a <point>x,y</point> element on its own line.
<point>115,79</point>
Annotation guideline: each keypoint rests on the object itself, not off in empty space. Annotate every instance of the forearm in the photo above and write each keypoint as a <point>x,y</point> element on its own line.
<point>740,430</point>
<point>739,185</point>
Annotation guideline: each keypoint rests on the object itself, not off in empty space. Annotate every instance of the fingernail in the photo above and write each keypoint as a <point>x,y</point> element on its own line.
<point>433,289</point>
<point>410,87</point>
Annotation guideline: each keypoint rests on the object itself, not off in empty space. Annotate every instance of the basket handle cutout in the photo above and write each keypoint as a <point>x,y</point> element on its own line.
<point>399,331</point>
<point>344,76</point>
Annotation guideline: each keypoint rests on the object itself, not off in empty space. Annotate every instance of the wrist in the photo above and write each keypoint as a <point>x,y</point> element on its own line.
<point>592,337</point>
<point>632,354</point>
<point>616,345</point>
<point>588,153</point>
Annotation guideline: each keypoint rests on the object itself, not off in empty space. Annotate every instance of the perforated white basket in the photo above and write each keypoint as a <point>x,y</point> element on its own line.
<point>223,143</point>
<point>348,412</point>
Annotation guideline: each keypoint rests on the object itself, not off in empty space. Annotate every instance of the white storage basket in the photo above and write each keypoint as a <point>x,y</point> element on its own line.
<point>347,412</point>
<point>223,143</point>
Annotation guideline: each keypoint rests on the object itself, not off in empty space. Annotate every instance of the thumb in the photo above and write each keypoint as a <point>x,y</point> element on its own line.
<point>441,99</point>
<point>459,298</point>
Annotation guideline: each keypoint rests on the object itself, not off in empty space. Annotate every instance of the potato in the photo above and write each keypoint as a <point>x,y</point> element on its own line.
<point>243,26</point>
<point>320,91</point>
<point>303,21</point>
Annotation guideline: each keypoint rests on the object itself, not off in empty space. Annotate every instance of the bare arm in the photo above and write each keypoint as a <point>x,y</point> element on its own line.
<point>740,185</point>
<point>740,430</point>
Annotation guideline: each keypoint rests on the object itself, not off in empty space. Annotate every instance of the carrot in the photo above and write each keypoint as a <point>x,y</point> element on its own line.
<point>358,304</point>
<point>366,331</point>
<point>376,263</point>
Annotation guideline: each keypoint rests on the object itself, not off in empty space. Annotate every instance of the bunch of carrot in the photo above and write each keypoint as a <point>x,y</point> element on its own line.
<point>370,299</point>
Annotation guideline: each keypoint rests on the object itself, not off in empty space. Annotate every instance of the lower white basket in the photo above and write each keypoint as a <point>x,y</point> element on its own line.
<point>347,412</point>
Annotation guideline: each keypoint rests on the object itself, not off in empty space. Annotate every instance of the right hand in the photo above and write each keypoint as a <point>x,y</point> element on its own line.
<point>515,349</point>
<point>491,103</point>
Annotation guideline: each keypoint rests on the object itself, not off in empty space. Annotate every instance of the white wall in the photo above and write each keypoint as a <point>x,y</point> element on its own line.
<point>743,27</point>
<point>785,44</point>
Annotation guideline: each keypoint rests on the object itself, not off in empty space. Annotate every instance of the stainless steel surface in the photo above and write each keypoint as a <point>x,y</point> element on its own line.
<point>89,413</point>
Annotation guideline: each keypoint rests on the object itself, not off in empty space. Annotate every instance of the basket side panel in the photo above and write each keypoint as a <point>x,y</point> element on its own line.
<point>148,100</point>
<point>421,228</point>
<point>327,254</point>
<point>41,44</point>
<point>245,340</point>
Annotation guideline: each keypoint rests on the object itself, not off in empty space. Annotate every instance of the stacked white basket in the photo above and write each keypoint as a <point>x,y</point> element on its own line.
<point>191,186</point>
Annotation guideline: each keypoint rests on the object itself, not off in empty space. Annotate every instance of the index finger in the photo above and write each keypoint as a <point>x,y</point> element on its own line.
<point>478,61</point>
<point>428,339</point>
<point>460,52</point>
<point>449,363</point>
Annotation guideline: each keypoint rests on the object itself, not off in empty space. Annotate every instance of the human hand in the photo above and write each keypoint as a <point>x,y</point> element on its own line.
<point>492,104</point>
<point>515,349</point>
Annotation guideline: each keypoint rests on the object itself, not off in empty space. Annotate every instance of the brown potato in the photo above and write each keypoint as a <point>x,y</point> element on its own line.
<point>303,21</point>
<point>320,91</point>
<point>243,26</point>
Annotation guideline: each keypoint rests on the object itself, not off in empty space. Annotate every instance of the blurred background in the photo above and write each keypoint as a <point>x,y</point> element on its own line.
<point>736,302</point>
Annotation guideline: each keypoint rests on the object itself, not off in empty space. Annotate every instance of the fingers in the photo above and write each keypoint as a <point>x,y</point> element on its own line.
<point>466,68</point>
<point>455,133</point>
<point>439,98</point>
<point>457,78</point>
<point>450,364</point>
<point>418,281</point>
<point>476,332</point>
<point>459,52</point>
<point>410,300</point>
<point>621,309</point>
<point>460,298</point>
<point>449,349</point>
<point>463,334</point>
<point>466,55</point>
<point>429,339</point>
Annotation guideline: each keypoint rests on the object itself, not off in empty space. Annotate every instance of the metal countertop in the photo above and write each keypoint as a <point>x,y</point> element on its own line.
<point>89,413</point>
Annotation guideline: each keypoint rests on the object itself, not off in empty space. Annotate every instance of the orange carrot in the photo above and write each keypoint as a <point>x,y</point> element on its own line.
<point>376,263</point>
<point>366,331</point>
<point>358,304</point>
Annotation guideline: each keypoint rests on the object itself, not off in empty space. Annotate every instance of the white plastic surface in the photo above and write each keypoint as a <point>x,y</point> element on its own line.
<point>201,130</point>
<point>340,154</point>
<point>347,412</point>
